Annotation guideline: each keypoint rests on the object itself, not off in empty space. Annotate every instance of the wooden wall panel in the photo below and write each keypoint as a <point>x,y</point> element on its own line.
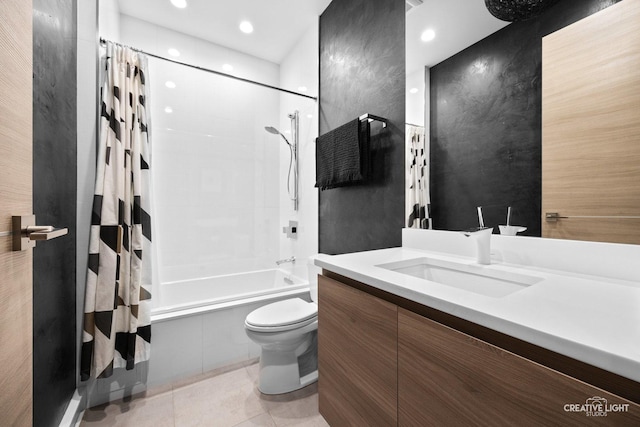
<point>448,378</point>
<point>15,199</point>
<point>357,356</point>
<point>591,125</point>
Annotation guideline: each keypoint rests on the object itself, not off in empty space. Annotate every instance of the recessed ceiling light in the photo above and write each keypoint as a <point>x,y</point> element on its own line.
<point>170,84</point>
<point>428,35</point>
<point>246,27</point>
<point>302,88</point>
<point>413,90</point>
<point>174,52</point>
<point>180,4</point>
<point>168,110</point>
<point>227,67</point>
<point>309,116</point>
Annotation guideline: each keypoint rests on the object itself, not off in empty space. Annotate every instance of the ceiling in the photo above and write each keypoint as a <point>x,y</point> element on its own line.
<point>457,24</point>
<point>278,24</point>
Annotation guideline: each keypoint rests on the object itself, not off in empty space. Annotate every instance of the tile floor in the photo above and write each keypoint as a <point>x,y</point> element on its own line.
<point>227,399</point>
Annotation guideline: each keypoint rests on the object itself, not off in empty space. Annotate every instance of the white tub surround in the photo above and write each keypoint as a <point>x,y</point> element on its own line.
<point>199,324</point>
<point>187,297</point>
<point>584,302</point>
<point>198,327</point>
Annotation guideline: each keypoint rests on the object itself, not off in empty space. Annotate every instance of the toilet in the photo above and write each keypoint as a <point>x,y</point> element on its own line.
<point>287,332</point>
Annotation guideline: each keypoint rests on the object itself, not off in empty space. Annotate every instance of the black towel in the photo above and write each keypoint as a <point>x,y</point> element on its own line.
<point>341,155</point>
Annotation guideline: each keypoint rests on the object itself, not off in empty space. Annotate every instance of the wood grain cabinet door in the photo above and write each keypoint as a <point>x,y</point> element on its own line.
<point>591,127</point>
<point>16,322</point>
<point>447,378</point>
<point>357,356</point>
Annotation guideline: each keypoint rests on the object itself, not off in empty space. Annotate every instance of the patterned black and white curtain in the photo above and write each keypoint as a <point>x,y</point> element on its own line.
<point>117,330</point>
<point>417,191</point>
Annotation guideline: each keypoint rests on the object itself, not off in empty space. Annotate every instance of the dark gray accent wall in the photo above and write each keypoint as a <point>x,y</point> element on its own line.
<point>486,134</point>
<point>362,70</point>
<point>54,203</point>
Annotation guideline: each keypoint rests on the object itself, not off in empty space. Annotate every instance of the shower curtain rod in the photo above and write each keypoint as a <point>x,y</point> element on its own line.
<point>208,70</point>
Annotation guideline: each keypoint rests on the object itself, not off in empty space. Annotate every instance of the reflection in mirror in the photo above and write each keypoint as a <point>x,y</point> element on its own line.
<point>482,108</point>
<point>435,31</point>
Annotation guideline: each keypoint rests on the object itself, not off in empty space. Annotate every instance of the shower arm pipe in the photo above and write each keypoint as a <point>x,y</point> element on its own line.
<point>208,70</point>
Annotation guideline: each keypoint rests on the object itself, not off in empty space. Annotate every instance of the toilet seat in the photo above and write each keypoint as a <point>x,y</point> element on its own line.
<point>281,316</point>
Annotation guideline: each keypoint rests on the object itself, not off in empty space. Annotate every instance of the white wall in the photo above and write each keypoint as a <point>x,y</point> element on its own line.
<point>215,168</point>
<point>416,105</point>
<point>109,19</point>
<point>300,69</point>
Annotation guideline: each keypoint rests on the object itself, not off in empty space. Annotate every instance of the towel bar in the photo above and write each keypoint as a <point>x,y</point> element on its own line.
<point>371,118</point>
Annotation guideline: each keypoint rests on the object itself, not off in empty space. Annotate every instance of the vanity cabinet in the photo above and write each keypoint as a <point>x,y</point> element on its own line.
<point>382,363</point>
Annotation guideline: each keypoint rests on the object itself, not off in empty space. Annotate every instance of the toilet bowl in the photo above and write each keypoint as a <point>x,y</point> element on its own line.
<point>287,332</point>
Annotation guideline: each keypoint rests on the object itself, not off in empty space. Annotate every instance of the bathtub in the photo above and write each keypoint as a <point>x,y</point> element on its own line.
<point>198,325</point>
<point>188,297</point>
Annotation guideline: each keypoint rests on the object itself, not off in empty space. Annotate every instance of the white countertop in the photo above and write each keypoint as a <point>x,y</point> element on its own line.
<point>589,318</point>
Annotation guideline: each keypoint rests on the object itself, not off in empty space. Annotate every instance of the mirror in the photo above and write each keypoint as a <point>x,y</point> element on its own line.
<point>436,30</point>
<point>481,107</point>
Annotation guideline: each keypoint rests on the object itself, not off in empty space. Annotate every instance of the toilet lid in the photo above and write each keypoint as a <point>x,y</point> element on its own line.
<point>283,313</point>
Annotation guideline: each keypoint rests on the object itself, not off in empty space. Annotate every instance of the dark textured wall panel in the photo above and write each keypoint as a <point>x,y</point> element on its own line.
<point>54,203</point>
<point>486,131</point>
<point>362,70</point>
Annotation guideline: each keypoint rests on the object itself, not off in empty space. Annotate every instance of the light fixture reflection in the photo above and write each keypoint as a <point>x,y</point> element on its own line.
<point>180,4</point>
<point>428,35</point>
<point>413,90</point>
<point>170,84</point>
<point>174,52</point>
<point>168,110</point>
<point>246,27</point>
<point>227,67</point>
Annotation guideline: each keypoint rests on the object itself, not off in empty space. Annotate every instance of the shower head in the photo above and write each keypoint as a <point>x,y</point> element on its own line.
<point>275,131</point>
<point>272,130</point>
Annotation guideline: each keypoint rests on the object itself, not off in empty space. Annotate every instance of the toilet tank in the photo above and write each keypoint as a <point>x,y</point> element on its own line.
<point>313,270</point>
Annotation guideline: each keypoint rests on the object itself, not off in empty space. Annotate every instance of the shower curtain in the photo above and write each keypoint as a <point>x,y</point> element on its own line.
<point>417,194</point>
<point>117,330</point>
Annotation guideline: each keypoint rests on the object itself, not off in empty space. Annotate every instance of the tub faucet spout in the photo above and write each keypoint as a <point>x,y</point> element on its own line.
<point>482,237</point>
<point>282,261</point>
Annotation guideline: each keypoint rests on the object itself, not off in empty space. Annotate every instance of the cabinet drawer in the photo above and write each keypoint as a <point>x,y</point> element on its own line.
<point>446,377</point>
<point>357,356</point>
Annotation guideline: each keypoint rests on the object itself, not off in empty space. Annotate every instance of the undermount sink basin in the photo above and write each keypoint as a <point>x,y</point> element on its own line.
<point>468,277</point>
